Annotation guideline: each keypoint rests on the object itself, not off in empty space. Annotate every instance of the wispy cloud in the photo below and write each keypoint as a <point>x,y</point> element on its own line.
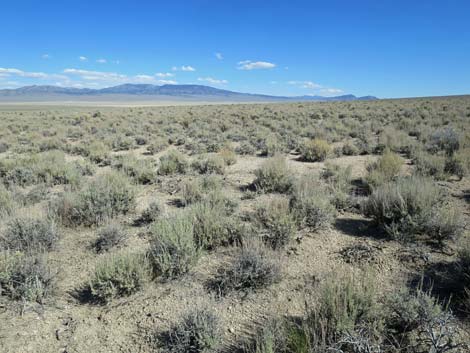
<point>212,81</point>
<point>255,65</point>
<point>110,78</point>
<point>183,68</point>
<point>27,74</point>
<point>82,58</point>
<point>219,56</point>
<point>164,74</point>
<point>101,61</point>
<point>319,89</point>
<point>331,91</point>
<point>305,84</point>
<point>45,56</point>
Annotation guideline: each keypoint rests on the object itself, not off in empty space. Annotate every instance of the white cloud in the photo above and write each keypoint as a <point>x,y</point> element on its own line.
<point>305,84</point>
<point>183,68</point>
<point>21,73</point>
<point>331,91</point>
<point>167,82</point>
<point>45,56</point>
<point>101,61</point>
<point>212,81</point>
<point>219,56</point>
<point>164,74</point>
<point>255,65</point>
<point>316,87</point>
<point>113,78</point>
<point>82,58</point>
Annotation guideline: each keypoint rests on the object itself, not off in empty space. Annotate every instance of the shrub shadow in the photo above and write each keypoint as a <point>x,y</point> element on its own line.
<point>360,228</point>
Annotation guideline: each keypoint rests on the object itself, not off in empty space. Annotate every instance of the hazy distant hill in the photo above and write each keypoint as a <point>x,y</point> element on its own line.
<point>192,92</point>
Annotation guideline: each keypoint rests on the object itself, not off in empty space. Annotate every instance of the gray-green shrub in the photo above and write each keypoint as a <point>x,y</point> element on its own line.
<point>25,277</point>
<point>277,224</point>
<point>311,205</point>
<point>172,251</point>
<point>273,176</point>
<point>118,275</point>
<point>105,197</point>
<point>27,233</point>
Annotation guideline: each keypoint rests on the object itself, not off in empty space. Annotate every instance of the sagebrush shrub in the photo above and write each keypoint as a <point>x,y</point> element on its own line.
<point>422,322</point>
<point>273,176</point>
<point>386,168</point>
<point>27,233</point>
<point>213,164</point>
<point>97,152</point>
<point>276,222</point>
<point>6,202</point>
<point>25,277</point>
<point>143,171</point>
<point>254,267</point>
<point>105,197</point>
<point>211,225</point>
<point>315,150</point>
<point>445,223</point>
<point>403,207</point>
<point>427,164</point>
<point>346,302</point>
<point>227,153</point>
<point>310,203</point>
<point>173,162</point>
<point>109,236</point>
<point>444,139</point>
<point>172,248</point>
<point>338,181</point>
<point>157,145</point>
<point>198,331</point>
<point>154,211</point>
<point>118,275</point>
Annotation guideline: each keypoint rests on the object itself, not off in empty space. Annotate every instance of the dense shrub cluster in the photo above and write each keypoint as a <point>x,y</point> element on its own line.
<point>105,197</point>
<point>411,206</point>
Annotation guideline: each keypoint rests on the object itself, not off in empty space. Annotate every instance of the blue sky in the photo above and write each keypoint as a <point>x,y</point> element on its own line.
<point>384,48</point>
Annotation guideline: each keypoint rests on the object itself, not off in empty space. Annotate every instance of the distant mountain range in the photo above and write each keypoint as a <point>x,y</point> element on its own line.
<point>154,92</point>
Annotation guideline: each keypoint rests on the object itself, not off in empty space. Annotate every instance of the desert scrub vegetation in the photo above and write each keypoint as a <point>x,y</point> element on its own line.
<point>412,206</point>
<point>276,223</point>
<point>198,331</point>
<point>416,319</point>
<point>338,180</point>
<point>220,212</point>
<point>105,197</point>
<point>7,203</point>
<point>110,235</point>
<point>29,234</point>
<point>26,277</point>
<point>199,189</point>
<point>253,267</point>
<point>311,204</point>
<point>173,251</point>
<point>211,225</point>
<point>47,167</point>
<point>173,162</point>
<point>386,168</point>
<point>273,176</point>
<point>315,150</point>
<point>212,164</point>
<point>142,171</point>
<point>118,275</point>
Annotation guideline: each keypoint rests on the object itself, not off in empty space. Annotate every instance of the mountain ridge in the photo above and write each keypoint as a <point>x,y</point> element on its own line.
<point>175,91</point>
